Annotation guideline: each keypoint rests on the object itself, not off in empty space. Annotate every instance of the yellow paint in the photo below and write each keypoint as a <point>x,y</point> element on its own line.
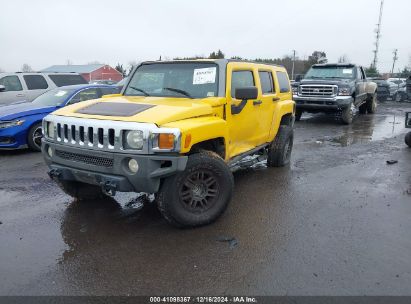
<point>204,119</point>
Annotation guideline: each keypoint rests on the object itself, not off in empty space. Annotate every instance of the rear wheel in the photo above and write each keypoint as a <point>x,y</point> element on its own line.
<point>34,137</point>
<point>198,195</point>
<point>81,191</point>
<point>279,152</point>
<point>372,104</point>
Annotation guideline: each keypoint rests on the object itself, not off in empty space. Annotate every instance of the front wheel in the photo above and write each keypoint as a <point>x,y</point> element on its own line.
<point>372,104</point>
<point>198,195</point>
<point>279,152</point>
<point>34,137</point>
<point>347,115</point>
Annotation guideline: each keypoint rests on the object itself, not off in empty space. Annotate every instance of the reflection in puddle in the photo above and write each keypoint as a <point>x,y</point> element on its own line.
<point>370,128</point>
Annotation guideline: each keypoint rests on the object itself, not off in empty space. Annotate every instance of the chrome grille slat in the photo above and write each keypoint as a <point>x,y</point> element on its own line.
<point>318,90</point>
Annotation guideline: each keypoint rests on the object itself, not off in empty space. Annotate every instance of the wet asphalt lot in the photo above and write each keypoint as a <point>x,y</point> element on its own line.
<point>335,222</point>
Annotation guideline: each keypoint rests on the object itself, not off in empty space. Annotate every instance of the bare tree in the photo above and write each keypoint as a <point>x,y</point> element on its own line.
<point>26,68</point>
<point>69,62</point>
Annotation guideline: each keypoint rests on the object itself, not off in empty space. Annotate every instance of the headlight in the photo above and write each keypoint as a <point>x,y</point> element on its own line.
<point>9,124</point>
<point>134,140</point>
<point>295,90</point>
<point>50,129</point>
<point>344,91</point>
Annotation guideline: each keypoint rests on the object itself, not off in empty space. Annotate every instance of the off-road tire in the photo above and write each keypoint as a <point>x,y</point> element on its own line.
<point>33,139</point>
<point>372,104</point>
<point>408,139</point>
<point>82,191</point>
<point>198,195</point>
<point>279,151</point>
<point>363,108</point>
<point>347,115</point>
<point>298,114</point>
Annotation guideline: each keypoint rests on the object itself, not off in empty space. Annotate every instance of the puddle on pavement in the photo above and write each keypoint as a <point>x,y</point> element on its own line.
<point>370,128</point>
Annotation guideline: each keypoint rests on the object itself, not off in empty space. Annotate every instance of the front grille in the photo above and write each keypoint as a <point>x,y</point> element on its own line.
<point>85,159</point>
<point>318,90</point>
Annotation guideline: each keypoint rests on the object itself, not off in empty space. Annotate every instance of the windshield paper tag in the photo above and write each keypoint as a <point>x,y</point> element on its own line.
<point>60,93</point>
<point>347,71</point>
<point>203,76</point>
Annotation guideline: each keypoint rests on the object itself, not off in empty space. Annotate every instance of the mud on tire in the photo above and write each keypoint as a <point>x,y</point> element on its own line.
<point>81,191</point>
<point>198,195</point>
<point>279,152</point>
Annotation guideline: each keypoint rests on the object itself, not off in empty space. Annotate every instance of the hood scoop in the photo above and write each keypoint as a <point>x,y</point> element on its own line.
<point>114,109</point>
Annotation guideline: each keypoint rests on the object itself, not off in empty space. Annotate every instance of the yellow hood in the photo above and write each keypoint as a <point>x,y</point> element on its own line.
<point>164,110</point>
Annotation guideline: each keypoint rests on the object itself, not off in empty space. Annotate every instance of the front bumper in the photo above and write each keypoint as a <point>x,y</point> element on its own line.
<point>13,138</point>
<point>110,170</point>
<point>319,104</point>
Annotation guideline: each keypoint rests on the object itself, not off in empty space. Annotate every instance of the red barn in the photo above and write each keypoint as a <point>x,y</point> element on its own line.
<point>90,72</point>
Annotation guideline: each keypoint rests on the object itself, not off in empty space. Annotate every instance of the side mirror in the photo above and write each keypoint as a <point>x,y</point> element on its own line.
<point>298,78</point>
<point>246,93</point>
<point>2,88</point>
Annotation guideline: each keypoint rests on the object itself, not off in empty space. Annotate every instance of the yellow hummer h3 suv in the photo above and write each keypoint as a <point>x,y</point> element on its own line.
<point>178,129</point>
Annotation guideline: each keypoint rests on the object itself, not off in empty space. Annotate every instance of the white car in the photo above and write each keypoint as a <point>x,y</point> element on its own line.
<point>24,87</point>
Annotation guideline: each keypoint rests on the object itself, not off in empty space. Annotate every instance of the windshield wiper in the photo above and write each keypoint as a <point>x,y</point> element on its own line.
<point>140,90</point>
<point>185,93</point>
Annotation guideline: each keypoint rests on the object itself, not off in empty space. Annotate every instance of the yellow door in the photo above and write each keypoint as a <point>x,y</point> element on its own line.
<point>249,127</point>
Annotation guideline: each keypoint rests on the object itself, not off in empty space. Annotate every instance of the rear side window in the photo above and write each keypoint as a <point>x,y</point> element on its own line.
<point>35,82</point>
<point>84,95</point>
<point>284,82</point>
<point>11,83</point>
<point>65,80</point>
<point>267,84</point>
<point>107,91</point>
<point>241,79</point>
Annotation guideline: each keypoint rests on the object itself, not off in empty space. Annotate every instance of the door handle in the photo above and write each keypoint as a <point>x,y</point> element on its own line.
<point>276,98</point>
<point>20,95</point>
<point>257,102</point>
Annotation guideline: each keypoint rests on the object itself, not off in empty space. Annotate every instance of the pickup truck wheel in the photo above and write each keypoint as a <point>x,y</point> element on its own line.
<point>279,151</point>
<point>198,195</point>
<point>408,139</point>
<point>298,114</point>
<point>81,191</point>
<point>372,104</point>
<point>34,137</point>
<point>347,115</point>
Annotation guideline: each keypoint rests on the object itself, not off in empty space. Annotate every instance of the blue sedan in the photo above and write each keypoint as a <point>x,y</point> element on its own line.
<point>20,124</point>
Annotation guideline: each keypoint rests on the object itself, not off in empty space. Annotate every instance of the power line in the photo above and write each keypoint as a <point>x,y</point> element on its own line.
<point>377,37</point>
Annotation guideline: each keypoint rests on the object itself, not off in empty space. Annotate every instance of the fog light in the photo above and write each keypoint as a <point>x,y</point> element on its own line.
<point>133,165</point>
<point>50,152</point>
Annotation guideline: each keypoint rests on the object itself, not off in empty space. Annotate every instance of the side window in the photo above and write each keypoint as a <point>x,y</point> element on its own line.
<point>108,91</point>
<point>283,82</point>
<point>85,95</point>
<point>11,83</point>
<point>35,82</point>
<point>267,84</point>
<point>241,79</point>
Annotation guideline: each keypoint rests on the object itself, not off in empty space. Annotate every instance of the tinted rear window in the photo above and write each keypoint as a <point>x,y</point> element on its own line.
<point>108,91</point>
<point>283,82</point>
<point>35,82</point>
<point>64,80</point>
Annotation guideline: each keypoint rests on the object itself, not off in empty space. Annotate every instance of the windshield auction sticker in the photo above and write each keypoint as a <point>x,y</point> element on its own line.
<point>203,76</point>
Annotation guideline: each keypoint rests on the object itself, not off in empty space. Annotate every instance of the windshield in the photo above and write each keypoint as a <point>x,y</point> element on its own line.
<point>53,98</point>
<point>192,80</point>
<point>330,72</point>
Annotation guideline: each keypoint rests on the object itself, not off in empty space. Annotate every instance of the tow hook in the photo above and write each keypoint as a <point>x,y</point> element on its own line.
<point>109,188</point>
<point>54,174</point>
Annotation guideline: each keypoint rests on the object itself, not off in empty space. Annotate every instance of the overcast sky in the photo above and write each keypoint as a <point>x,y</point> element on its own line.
<point>47,32</point>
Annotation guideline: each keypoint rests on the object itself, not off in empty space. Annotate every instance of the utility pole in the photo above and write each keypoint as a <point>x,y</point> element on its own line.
<point>395,59</point>
<point>377,37</point>
<point>292,70</point>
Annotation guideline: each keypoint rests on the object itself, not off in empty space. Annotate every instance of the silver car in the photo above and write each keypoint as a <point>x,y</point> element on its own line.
<point>24,87</point>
